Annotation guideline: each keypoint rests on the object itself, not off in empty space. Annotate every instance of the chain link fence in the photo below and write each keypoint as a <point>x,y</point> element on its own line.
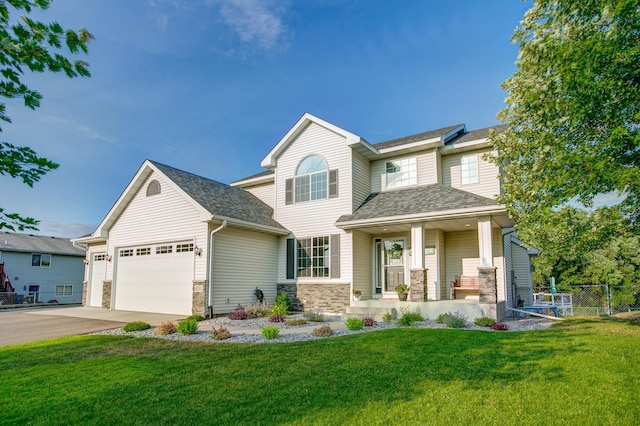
<point>599,299</point>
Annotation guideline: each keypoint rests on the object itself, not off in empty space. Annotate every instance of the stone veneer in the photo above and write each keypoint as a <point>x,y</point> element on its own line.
<point>418,283</point>
<point>326,298</point>
<point>106,294</point>
<point>198,298</point>
<point>487,287</point>
<point>84,293</point>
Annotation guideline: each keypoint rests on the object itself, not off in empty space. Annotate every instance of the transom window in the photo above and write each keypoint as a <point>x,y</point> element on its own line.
<point>402,172</point>
<point>99,257</point>
<point>313,257</point>
<point>164,249</point>
<point>311,179</point>
<point>41,260</point>
<point>64,290</point>
<point>126,252</point>
<point>469,169</point>
<point>181,248</point>
<point>146,251</point>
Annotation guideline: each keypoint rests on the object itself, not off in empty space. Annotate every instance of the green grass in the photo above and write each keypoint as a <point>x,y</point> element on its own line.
<point>578,372</point>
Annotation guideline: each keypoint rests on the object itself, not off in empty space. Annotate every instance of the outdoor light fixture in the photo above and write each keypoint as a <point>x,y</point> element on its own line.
<point>197,251</point>
<point>108,257</point>
<point>85,261</point>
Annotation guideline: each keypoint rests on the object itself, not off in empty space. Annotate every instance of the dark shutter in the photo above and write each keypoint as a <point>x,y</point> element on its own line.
<point>291,258</point>
<point>333,183</point>
<point>334,247</point>
<point>288,191</point>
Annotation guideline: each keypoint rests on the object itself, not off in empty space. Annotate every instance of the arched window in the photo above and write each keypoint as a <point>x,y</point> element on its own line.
<point>153,188</point>
<point>311,179</point>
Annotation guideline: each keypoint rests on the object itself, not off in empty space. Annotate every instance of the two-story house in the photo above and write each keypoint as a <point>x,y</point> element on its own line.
<point>330,214</point>
<point>39,269</point>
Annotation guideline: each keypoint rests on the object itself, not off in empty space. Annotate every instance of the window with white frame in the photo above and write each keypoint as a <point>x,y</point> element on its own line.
<point>401,172</point>
<point>64,290</point>
<point>182,248</point>
<point>41,260</point>
<point>313,257</point>
<point>145,251</point>
<point>126,252</point>
<point>164,249</point>
<point>469,169</point>
<point>311,179</point>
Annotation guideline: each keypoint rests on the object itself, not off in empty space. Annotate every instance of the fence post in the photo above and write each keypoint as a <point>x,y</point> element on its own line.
<point>609,304</point>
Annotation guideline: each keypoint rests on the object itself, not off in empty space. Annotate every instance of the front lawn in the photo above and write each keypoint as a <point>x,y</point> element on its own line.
<point>578,372</point>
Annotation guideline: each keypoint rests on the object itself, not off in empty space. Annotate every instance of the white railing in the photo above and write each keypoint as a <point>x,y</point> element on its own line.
<point>561,301</point>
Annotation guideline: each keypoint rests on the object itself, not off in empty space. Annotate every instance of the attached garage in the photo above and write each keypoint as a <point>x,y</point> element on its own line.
<point>97,274</point>
<point>155,278</point>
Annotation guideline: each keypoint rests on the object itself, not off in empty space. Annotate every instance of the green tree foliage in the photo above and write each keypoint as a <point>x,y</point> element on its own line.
<point>26,44</point>
<point>573,108</point>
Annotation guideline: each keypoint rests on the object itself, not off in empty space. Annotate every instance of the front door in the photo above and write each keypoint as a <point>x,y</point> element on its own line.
<point>390,265</point>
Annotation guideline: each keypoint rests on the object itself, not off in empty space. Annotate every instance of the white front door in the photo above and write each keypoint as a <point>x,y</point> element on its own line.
<point>97,274</point>
<point>390,266</point>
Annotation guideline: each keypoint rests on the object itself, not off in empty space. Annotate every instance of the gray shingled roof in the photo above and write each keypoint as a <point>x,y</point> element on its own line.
<point>415,138</point>
<point>38,244</point>
<point>220,199</point>
<point>478,134</point>
<point>416,200</point>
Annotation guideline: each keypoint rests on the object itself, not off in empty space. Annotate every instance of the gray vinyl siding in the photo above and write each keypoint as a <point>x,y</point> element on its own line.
<point>431,263</point>
<point>362,263</point>
<point>426,163</point>
<point>488,183</point>
<point>63,270</point>
<point>520,261</point>
<point>167,217</point>
<point>361,181</point>
<point>265,191</point>
<point>316,217</point>
<point>508,261</point>
<point>242,261</point>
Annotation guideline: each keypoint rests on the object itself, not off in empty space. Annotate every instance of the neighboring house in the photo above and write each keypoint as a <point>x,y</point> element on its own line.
<point>35,268</point>
<point>330,214</point>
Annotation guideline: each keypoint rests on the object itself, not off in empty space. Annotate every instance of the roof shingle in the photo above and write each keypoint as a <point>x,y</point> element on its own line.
<point>38,244</point>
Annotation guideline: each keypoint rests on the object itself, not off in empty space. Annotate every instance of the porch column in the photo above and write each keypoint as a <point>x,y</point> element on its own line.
<point>417,272</point>
<point>485,244</point>
<point>487,288</point>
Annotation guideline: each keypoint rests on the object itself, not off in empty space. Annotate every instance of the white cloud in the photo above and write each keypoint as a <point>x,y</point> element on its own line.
<point>255,21</point>
<point>85,131</point>
<point>63,230</point>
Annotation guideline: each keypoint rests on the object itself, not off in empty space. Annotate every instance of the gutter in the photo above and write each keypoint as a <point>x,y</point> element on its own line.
<point>210,268</point>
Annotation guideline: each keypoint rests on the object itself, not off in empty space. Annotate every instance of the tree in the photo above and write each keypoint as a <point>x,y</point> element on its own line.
<point>26,44</point>
<point>573,109</point>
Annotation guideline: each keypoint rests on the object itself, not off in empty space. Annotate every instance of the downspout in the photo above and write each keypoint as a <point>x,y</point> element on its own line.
<point>210,278</point>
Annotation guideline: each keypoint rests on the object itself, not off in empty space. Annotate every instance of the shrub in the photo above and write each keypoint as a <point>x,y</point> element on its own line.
<point>279,310</point>
<point>387,318</point>
<point>314,316</point>
<point>408,319</point>
<point>354,323</point>
<point>136,326</point>
<point>500,326</point>
<point>484,321</point>
<point>257,310</point>
<point>323,331</point>
<point>283,299</point>
<point>442,318</point>
<point>270,332</point>
<point>165,328</point>
<point>276,318</point>
<point>220,333</point>
<point>187,326</point>
<point>198,318</point>
<point>369,321</point>
<point>456,320</point>
<point>238,314</point>
<point>296,322</point>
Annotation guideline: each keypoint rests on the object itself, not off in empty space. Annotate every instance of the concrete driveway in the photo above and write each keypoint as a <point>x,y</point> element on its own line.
<point>38,323</point>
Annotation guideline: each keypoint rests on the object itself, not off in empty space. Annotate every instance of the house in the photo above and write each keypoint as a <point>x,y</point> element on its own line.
<point>35,268</point>
<point>329,214</point>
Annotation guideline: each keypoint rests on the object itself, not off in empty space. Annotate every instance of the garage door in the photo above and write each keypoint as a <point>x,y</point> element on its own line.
<point>155,278</point>
<point>98,266</point>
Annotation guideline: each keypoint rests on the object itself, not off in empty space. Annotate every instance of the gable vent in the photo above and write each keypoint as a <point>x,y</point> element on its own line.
<point>153,188</point>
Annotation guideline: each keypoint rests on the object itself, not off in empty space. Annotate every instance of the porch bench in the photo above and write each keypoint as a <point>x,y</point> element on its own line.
<point>467,286</point>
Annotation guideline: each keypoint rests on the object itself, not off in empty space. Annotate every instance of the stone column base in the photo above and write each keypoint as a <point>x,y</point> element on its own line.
<point>198,298</point>
<point>106,294</point>
<point>326,298</point>
<point>418,283</point>
<point>487,284</point>
<point>84,293</point>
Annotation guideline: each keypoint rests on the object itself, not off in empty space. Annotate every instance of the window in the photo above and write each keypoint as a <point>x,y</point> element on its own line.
<point>403,172</point>
<point>313,181</point>
<point>164,249</point>
<point>64,290</point>
<point>99,257</point>
<point>469,169</point>
<point>317,257</point>
<point>41,260</point>
<point>143,251</point>
<point>153,188</point>
<point>181,248</point>
<point>126,253</point>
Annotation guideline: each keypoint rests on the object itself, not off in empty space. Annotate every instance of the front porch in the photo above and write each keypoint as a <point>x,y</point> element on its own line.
<point>430,309</point>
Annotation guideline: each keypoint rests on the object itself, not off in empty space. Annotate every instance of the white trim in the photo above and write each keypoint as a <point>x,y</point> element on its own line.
<point>254,181</point>
<point>250,225</point>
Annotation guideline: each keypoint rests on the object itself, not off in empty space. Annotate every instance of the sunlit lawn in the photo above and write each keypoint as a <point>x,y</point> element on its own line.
<point>579,372</point>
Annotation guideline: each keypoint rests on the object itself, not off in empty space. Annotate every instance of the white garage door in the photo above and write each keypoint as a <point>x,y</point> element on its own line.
<point>98,266</point>
<point>155,278</point>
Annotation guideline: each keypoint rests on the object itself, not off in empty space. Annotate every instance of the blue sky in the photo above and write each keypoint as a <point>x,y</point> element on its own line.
<point>210,86</point>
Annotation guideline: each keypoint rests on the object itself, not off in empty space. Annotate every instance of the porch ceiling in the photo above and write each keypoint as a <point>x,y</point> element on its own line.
<point>448,225</point>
